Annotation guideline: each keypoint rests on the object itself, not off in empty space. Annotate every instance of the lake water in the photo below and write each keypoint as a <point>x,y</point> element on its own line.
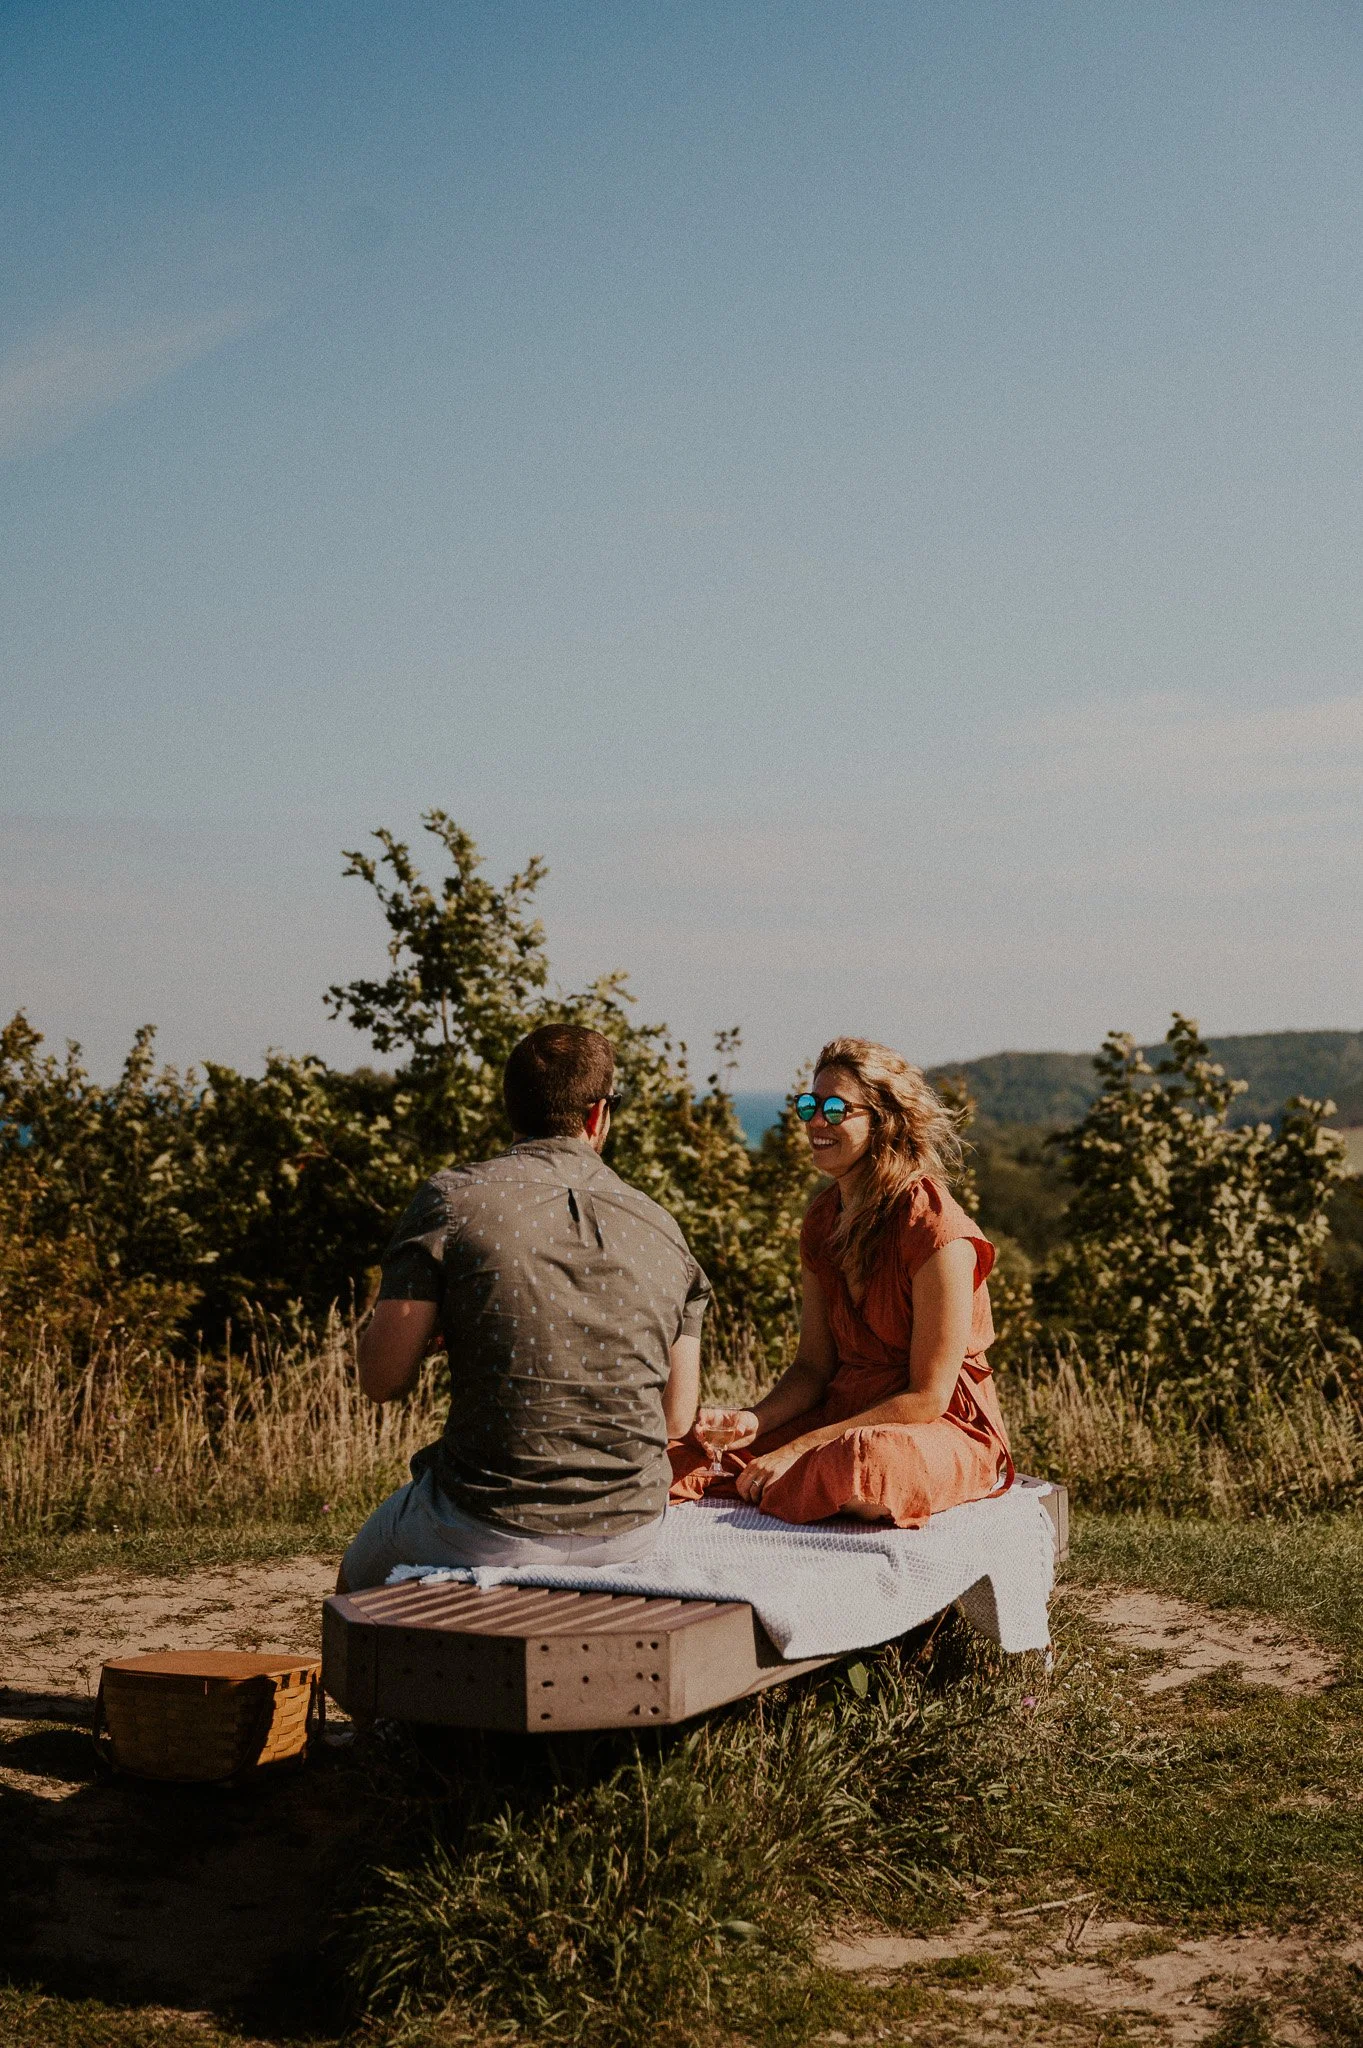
<point>758,1110</point>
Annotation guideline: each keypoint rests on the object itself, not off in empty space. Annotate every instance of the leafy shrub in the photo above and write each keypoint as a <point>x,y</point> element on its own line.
<point>1195,1251</point>
<point>172,1204</point>
<point>95,1231</point>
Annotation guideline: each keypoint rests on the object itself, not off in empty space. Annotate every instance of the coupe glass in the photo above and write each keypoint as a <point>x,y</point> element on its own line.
<point>717,1428</point>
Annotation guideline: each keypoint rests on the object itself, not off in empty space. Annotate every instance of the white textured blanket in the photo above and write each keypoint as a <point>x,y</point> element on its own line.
<point>821,1590</point>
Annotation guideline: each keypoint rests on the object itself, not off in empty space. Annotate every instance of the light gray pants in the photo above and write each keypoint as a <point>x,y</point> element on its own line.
<point>419,1525</point>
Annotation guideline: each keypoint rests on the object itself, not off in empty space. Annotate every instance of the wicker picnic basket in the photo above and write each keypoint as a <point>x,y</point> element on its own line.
<point>205,1716</point>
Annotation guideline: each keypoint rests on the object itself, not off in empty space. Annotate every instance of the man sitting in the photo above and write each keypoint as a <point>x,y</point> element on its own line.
<point>571,1310</point>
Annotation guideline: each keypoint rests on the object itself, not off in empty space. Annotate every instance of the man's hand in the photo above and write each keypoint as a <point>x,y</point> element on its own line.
<point>400,1335</point>
<point>758,1473</point>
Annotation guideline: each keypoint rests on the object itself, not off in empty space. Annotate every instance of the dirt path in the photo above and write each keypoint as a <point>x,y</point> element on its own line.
<point>1062,1975</point>
<point>1074,1975</point>
<point>1181,1641</point>
<point>1065,1975</point>
<point>53,1639</point>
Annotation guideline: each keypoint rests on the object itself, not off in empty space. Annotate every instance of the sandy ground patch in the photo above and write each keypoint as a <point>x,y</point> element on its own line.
<point>1059,1975</point>
<point>54,1638</point>
<point>1190,1641</point>
<point>1135,1978</point>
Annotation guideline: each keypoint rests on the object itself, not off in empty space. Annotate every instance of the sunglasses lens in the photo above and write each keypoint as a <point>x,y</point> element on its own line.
<point>805,1106</point>
<point>834,1108</point>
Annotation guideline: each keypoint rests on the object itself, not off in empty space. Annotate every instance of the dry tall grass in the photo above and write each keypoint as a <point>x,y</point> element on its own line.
<point>279,1431</point>
<point>1119,1449</point>
<point>139,1440</point>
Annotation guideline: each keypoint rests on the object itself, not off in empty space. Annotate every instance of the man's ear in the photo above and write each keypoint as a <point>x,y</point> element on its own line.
<point>595,1122</point>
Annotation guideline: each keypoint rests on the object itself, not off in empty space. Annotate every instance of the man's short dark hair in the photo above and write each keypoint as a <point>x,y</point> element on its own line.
<point>553,1077</point>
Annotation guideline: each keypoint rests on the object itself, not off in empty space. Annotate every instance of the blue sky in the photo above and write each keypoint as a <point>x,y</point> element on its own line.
<point>873,493</point>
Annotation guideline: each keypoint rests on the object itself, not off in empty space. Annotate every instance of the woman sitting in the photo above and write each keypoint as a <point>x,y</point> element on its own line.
<point>888,1411</point>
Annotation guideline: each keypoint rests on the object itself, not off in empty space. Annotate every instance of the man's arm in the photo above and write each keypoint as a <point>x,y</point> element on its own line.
<point>392,1348</point>
<point>682,1392</point>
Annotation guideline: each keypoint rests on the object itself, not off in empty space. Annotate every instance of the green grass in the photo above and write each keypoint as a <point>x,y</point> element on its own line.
<point>590,1888</point>
<point>29,2019</point>
<point>167,1552</point>
<point>1332,2001</point>
<point>1222,1807</point>
<point>1225,1837</point>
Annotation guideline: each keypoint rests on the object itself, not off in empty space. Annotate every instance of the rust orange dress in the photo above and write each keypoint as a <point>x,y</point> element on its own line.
<point>905,1470</point>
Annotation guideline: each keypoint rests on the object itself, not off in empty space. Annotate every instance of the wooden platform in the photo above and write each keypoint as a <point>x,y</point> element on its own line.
<point>539,1661</point>
<point>520,1658</point>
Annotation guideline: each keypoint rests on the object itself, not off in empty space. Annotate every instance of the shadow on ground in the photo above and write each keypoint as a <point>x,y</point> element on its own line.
<point>194,1898</point>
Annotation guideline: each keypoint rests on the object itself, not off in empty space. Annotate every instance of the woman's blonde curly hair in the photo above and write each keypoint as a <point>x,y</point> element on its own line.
<point>913,1133</point>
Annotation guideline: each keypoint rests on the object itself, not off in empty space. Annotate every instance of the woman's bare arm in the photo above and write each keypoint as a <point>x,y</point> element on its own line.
<point>805,1380</point>
<point>943,1295</point>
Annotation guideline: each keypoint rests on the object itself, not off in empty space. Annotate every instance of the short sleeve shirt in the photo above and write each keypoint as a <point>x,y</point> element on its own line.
<point>561,1291</point>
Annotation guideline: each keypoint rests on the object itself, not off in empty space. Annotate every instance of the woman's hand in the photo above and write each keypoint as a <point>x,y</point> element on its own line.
<point>748,1428</point>
<point>758,1473</point>
<point>724,1429</point>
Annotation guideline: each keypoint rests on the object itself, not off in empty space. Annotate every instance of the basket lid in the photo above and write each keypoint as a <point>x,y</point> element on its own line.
<point>227,1666</point>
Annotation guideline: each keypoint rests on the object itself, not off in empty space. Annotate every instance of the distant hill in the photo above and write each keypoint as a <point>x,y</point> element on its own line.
<point>1026,1087</point>
<point>1057,1087</point>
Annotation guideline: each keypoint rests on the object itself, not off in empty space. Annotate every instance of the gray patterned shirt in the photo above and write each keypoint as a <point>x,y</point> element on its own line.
<point>561,1291</point>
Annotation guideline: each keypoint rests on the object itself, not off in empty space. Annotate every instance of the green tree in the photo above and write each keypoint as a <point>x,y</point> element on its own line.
<point>467,969</point>
<point>201,1201</point>
<point>1010,1282</point>
<point>469,976</point>
<point>168,1203</point>
<point>299,1173</point>
<point>1195,1251</point>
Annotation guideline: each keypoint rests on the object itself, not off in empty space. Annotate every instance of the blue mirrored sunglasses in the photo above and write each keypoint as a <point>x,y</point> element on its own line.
<point>834,1108</point>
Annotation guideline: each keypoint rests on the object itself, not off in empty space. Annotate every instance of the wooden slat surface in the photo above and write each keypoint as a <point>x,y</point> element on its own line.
<point>519,1610</point>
